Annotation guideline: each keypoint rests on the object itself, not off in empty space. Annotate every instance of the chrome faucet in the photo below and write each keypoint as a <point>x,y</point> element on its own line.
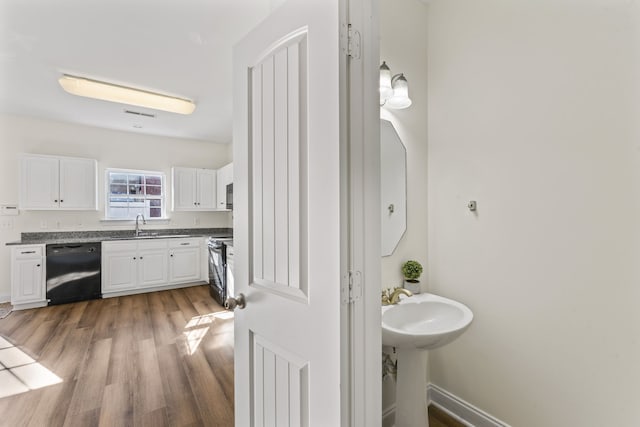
<point>144,221</point>
<point>393,297</point>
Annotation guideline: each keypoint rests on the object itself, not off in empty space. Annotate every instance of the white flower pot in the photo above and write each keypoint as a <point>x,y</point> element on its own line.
<point>412,285</point>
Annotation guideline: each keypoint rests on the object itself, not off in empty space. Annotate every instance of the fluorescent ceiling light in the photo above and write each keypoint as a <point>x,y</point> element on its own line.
<point>125,95</point>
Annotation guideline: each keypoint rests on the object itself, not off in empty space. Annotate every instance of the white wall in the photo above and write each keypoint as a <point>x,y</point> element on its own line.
<point>402,45</point>
<point>533,112</point>
<point>112,149</point>
<point>402,38</point>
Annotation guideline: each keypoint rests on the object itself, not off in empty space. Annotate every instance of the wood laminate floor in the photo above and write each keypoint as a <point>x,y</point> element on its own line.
<point>439,418</point>
<point>156,359</point>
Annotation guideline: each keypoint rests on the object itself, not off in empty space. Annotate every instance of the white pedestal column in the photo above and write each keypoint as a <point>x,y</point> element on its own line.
<point>411,402</point>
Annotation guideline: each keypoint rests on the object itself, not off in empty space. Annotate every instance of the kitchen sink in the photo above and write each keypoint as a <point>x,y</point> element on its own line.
<point>161,236</point>
<point>152,236</point>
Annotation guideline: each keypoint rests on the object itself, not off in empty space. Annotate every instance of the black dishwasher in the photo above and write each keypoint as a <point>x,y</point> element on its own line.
<point>73,272</point>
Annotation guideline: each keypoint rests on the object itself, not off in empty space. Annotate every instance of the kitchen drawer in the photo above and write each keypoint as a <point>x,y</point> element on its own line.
<point>152,244</point>
<point>184,243</point>
<point>24,252</point>
<point>123,246</point>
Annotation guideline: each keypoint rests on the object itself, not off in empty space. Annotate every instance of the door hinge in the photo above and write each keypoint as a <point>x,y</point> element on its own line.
<point>352,287</point>
<point>351,41</point>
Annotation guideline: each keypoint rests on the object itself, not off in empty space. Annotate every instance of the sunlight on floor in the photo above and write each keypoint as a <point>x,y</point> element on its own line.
<point>19,373</point>
<point>197,328</point>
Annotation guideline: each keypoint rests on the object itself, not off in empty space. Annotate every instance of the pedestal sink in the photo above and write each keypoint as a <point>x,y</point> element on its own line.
<point>420,322</point>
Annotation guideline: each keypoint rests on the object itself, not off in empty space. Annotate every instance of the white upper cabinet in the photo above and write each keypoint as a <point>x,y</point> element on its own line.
<point>51,182</point>
<point>225,177</point>
<point>184,189</point>
<point>207,188</point>
<point>78,184</point>
<point>193,189</point>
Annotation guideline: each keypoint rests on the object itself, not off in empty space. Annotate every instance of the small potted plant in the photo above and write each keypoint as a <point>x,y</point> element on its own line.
<point>411,270</point>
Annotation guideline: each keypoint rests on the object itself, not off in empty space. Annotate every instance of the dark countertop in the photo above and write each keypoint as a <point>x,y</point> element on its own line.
<point>60,237</point>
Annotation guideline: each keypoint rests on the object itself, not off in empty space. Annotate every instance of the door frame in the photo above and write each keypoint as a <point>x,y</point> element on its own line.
<point>360,129</point>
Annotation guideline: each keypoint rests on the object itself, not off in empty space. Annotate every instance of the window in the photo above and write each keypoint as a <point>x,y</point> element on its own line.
<point>132,192</point>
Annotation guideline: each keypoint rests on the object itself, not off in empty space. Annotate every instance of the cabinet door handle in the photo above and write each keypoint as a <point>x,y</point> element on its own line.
<point>141,258</point>
<point>37,265</point>
<point>61,201</point>
<point>28,252</point>
<point>56,200</point>
<point>184,244</point>
<point>134,257</point>
<point>171,255</point>
<point>195,204</point>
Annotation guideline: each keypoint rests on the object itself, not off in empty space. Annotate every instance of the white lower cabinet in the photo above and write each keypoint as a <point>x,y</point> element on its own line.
<point>152,266</point>
<point>119,266</point>
<point>28,286</point>
<point>184,260</point>
<point>131,266</point>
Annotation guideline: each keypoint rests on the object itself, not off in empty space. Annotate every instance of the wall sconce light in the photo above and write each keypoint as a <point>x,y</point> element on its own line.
<point>394,91</point>
<point>125,95</point>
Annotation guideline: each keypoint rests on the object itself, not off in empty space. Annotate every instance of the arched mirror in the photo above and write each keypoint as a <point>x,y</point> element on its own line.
<point>393,176</point>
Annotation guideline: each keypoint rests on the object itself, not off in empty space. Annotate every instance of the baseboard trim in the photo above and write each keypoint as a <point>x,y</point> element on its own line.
<point>461,410</point>
<point>389,416</point>
<point>5,298</point>
<point>151,289</point>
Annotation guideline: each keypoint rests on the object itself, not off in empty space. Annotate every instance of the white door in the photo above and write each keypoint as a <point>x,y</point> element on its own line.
<point>287,218</point>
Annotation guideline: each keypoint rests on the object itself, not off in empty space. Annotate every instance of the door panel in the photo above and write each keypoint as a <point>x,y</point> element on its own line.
<point>277,165</point>
<point>285,375</point>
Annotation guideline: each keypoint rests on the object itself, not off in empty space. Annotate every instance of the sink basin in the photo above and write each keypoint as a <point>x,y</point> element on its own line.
<point>161,236</point>
<point>424,322</point>
<point>151,236</point>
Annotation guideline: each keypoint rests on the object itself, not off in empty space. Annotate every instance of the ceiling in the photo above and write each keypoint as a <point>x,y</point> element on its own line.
<point>181,48</point>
